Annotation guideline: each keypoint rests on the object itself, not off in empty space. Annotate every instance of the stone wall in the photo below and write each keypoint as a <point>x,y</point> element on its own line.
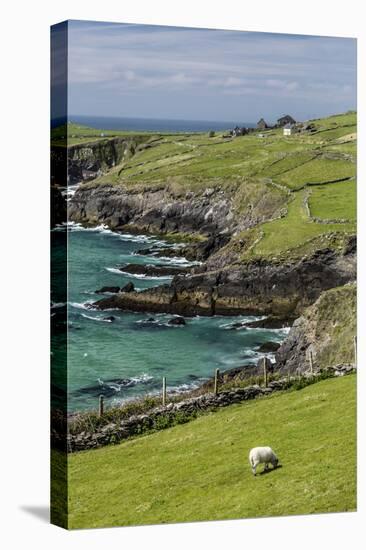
<point>183,411</point>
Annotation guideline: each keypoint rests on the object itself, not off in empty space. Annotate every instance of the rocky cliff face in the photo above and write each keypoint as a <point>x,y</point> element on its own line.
<point>327,329</point>
<point>258,287</point>
<point>155,210</point>
<point>87,161</point>
<point>222,284</point>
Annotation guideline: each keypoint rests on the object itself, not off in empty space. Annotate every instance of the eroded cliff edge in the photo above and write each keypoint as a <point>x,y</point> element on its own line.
<point>233,224</point>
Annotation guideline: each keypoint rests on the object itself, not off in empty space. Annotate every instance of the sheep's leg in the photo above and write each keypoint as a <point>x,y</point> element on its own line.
<point>265,466</point>
<point>254,469</point>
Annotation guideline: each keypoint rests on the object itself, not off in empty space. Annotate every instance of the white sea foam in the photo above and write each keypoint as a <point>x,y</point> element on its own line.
<point>100,319</point>
<point>82,305</point>
<point>178,260</point>
<point>69,192</point>
<point>127,382</point>
<point>138,275</point>
<point>142,379</point>
<point>136,238</point>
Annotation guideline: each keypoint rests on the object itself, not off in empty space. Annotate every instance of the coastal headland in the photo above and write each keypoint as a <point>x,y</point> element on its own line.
<point>269,219</point>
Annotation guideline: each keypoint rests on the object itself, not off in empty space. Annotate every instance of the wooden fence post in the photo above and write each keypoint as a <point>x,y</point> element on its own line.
<point>355,349</point>
<point>101,405</point>
<point>216,382</point>
<point>265,372</point>
<point>311,361</point>
<point>164,391</point>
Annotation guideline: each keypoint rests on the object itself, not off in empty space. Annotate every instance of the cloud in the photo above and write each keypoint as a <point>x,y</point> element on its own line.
<point>110,61</point>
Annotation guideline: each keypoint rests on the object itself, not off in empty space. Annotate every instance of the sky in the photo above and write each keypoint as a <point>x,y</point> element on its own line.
<point>126,70</point>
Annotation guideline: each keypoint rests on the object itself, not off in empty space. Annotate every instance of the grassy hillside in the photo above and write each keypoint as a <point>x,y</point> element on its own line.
<point>78,134</point>
<point>305,184</point>
<point>325,154</point>
<point>200,470</point>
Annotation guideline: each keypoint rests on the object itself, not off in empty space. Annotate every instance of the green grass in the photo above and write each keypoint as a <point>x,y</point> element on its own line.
<point>319,170</point>
<point>264,177</point>
<point>287,233</point>
<point>200,470</point>
<point>337,201</point>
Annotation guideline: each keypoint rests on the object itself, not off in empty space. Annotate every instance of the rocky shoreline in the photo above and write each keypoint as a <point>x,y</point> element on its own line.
<point>260,287</point>
<point>183,411</point>
<point>222,283</point>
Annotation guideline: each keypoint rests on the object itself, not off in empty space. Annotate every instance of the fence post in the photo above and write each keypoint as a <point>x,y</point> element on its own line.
<point>164,391</point>
<point>216,382</point>
<point>355,349</point>
<point>101,405</point>
<point>311,361</point>
<point>265,373</point>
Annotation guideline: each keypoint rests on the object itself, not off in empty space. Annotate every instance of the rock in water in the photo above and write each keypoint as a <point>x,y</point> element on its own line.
<point>268,347</point>
<point>112,289</point>
<point>153,270</point>
<point>129,287</point>
<point>110,319</point>
<point>179,321</point>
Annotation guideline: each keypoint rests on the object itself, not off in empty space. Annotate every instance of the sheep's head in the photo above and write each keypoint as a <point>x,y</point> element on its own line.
<point>275,462</point>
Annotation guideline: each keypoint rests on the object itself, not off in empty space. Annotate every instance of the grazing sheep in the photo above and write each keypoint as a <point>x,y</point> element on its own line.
<point>262,455</point>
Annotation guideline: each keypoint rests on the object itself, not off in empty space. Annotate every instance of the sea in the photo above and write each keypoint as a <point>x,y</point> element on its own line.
<point>156,125</point>
<point>124,355</point>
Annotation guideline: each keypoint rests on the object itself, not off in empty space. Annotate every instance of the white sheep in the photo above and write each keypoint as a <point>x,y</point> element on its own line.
<point>262,455</point>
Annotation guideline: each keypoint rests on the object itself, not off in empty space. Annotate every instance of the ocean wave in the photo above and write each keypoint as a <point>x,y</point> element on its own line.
<point>70,191</point>
<point>101,228</point>
<point>120,384</point>
<point>234,325</point>
<point>138,275</point>
<point>284,330</point>
<point>172,390</point>
<point>100,319</point>
<point>137,238</point>
<point>178,260</point>
<point>156,323</point>
<point>81,305</point>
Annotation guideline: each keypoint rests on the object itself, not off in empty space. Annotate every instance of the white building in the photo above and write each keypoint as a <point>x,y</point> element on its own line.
<point>288,130</point>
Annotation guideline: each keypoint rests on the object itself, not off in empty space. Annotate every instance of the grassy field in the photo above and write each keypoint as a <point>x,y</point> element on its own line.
<point>296,228</point>
<point>295,161</point>
<point>337,201</point>
<point>264,173</point>
<point>200,470</point>
<point>78,134</point>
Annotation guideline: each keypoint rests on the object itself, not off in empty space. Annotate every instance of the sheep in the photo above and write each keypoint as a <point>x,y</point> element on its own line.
<point>260,455</point>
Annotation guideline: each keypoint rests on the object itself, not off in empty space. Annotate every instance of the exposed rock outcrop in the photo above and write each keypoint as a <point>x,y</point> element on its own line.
<point>327,329</point>
<point>89,160</point>
<point>153,270</point>
<point>154,210</point>
<point>257,287</point>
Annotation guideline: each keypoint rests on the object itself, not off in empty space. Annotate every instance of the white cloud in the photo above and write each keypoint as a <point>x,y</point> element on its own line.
<point>118,59</point>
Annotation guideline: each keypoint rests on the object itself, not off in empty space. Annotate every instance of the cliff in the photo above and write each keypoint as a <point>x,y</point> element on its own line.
<point>327,328</point>
<point>89,160</point>
<point>254,287</point>
<point>273,221</point>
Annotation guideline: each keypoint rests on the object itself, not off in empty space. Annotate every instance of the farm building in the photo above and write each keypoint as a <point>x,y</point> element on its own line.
<point>262,124</point>
<point>286,119</point>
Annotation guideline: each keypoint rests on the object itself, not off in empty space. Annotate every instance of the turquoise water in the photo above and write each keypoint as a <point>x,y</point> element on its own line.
<point>129,356</point>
